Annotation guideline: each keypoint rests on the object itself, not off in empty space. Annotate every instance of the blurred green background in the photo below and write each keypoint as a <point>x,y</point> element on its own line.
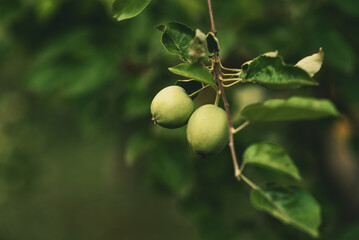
<point>80,158</point>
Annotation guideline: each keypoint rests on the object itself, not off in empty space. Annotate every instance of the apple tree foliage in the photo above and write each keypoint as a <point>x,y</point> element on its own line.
<point>289,203</point>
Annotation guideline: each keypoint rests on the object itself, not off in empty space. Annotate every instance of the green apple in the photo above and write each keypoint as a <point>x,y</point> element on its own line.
<point>172,107</point>
<point>207,130</point>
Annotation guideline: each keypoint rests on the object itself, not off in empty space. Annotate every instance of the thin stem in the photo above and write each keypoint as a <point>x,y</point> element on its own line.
<point>194,93</point>
<point>229,79</point>
<point>213,26</point>
<point>242,126</point>
<point>217,76</point>
<point>230,69</point>
<point>231,74</point>
<point>231,84</point>
<point>250,183</point>
<point>217,73</point>
<point>208,67</point>
<point>217,98</point>
<point>237,171</point>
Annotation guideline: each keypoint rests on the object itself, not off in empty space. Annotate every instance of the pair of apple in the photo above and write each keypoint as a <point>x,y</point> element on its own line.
<point>207,129</point>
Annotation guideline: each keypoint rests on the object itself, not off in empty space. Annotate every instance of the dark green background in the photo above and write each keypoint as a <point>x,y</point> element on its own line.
<point>80,158</point>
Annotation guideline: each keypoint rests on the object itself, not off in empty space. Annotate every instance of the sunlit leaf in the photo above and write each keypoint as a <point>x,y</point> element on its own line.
<point>271,156</point>
<point>312,64</point>
<point>294,108</point>
<point>267,54</point>
<point>291,205</point>
<point>124,9</point>
<point>194,71</point>
<point>273,73</point>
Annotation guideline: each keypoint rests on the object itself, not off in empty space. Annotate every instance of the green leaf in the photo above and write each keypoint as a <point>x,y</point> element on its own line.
<point>291,205</point>
<point>212,43</point>
<point>124,9</point>
<point>312,64</point>
<point>194,71</point>
<point>267,54</point>
<point>271,156</point>
<point>294,108</point>
<point>176,38</point>
<point>272,72</point>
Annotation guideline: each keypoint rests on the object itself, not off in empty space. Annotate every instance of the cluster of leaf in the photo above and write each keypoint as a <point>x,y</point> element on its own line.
<point>76,142</point>
<point>290,204</point>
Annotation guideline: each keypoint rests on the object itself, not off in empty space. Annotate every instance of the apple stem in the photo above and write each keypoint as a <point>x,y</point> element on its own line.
<point>217,98</point>
<point>242,126</point>
<point>231,84</point>
<point>194,93</point>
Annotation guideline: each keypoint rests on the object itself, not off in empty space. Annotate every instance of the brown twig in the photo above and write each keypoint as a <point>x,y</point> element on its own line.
<point>217,74</point>
<point>213,26</point>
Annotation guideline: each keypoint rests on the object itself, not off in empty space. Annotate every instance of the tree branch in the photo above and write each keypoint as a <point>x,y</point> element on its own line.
<point>213,26</point>
<point>217,74</point>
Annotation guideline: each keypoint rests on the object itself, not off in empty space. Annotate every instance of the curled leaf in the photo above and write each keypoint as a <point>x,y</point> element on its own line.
<point>213,43</point>
<point>273,73</point>
<point>268,54</point>
<point>176,38</point>
<point>312,64</point>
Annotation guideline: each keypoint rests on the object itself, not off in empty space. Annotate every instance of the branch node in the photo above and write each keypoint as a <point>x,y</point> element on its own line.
<point>237,174</point>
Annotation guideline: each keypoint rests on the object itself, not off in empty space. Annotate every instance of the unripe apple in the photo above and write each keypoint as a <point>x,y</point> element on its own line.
<point>172,107</point>
<point>207,130</point>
